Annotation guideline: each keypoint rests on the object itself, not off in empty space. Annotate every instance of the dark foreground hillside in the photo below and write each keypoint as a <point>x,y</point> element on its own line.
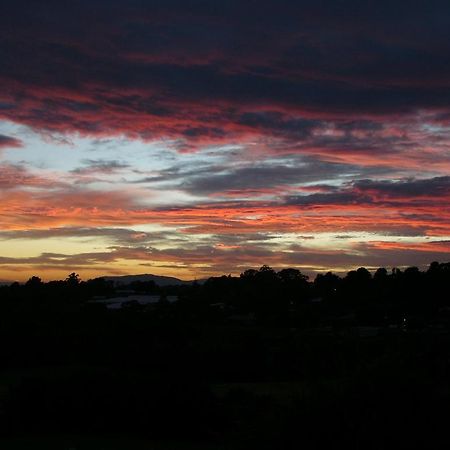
<point>266,360</point>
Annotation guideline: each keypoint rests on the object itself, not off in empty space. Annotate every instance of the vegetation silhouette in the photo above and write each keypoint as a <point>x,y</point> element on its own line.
<point>264,360</point>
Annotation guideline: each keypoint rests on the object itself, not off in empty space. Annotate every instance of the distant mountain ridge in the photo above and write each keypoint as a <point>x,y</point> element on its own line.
<point>122,280</point>
<point>158,279</point>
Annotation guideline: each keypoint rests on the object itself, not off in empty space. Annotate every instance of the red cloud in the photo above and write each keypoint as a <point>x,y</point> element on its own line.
<point>25,210</point>
<point>9,142</point>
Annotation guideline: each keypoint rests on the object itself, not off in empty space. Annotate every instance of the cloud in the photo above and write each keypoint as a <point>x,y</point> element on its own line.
<point>14,176</point>
<point>9,142</point>
<point>250,178</point>
<point>410,188</point>
<point>262,177</point>
<point>204,74</point>
<point>382,206</point>
<point>117,233</point>
<point>206,260</point>
<point>100,167</point>
<point>428,192</point>
<point>265,120</point>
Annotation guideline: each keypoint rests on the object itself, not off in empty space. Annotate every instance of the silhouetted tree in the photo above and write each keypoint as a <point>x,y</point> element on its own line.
<point>327,284</point>
<point>294,285</point>
<point>34,282</point>
<point>73,279</point>
<point>380,275</point>
<point>249,274</point>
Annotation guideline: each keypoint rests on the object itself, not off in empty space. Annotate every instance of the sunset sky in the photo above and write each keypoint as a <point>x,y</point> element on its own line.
<point>193,138</point>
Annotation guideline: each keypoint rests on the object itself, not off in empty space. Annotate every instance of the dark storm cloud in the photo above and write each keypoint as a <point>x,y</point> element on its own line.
<point>434,187</point>
<point>262,177</point>
<point>150,67</point>
<point>338,198</point>
<point>431,192</point>
<point>270,176</point>
<point>279,124</point>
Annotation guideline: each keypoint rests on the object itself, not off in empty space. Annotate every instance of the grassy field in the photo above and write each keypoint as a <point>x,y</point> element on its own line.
<point>280,392</point>
<point>99,443</point>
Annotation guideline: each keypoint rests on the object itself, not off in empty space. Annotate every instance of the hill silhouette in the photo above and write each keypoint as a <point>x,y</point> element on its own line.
<point>159,280</point>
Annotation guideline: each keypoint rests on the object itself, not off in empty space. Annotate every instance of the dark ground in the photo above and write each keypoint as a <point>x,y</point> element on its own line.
<point>240,363</point>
